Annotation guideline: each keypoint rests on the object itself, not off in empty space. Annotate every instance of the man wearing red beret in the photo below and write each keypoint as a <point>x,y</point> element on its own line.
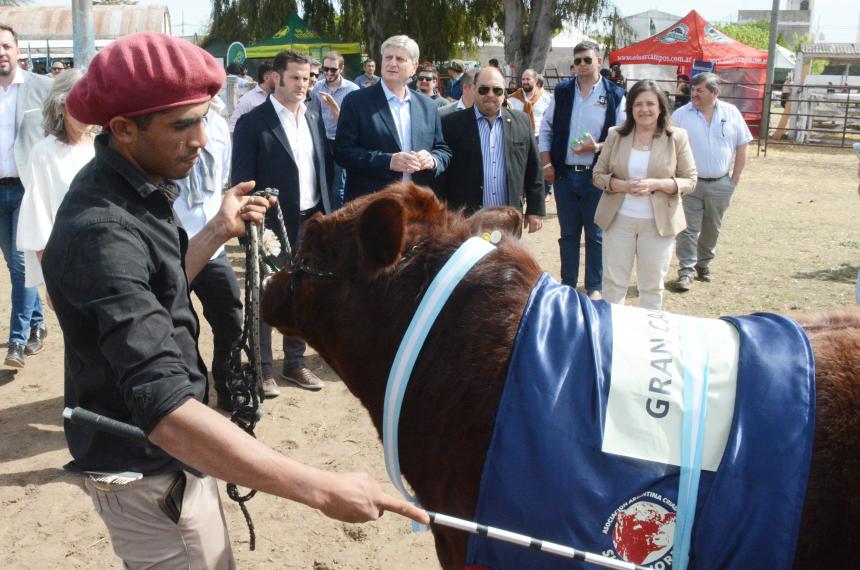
<point>117,268</point>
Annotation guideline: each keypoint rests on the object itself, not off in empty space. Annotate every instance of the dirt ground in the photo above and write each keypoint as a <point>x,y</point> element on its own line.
<point>790,242</point>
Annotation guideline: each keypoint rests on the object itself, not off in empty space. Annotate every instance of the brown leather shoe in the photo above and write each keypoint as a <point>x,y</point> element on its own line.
<point>684,283</point>
<point>270,388</point>
<point>302,377</point>
<point>703,274</point>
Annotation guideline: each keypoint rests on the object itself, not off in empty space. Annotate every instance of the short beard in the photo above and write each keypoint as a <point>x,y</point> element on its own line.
<point>10,71</point>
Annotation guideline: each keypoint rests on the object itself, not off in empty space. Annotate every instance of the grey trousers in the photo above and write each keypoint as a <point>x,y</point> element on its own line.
<point>144,537</point>
<point>704,209</point>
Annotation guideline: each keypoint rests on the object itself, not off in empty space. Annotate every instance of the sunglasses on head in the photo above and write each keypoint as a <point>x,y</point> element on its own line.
<point>315,75</point>
<point>586,60</point>
<point>330,69</point>
<point>484,89</point>
<point>426,78</point>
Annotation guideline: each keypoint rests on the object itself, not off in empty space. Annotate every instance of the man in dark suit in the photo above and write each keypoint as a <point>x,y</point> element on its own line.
<point>387,133</point>
<point>280,144</point>
<point>495,160</point>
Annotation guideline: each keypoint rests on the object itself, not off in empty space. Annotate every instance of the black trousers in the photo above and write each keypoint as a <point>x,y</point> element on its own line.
<point>218,290</point>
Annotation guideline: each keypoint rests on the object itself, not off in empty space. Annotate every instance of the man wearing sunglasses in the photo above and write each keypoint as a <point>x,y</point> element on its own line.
<point>331,93</point>
<point>573,128</point>
<point>57,68</point>
<point>426,80</point>
<point>495,161</point>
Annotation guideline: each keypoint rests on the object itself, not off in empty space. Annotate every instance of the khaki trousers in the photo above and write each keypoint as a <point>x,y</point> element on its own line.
<point>625,239</point>
<point>143,536</point>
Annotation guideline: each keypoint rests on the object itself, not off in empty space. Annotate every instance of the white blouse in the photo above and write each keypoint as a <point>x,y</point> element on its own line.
<point>637,206</point>
<point>49,172</point>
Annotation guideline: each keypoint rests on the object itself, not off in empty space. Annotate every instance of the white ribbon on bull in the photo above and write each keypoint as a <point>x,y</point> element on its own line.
<point>468,254</point>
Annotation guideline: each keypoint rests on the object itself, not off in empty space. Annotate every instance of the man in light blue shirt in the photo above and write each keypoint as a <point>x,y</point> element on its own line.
<point>331,93</point>
<point>719,137</point>
<point>369,73</point>
<point>573,129</point>
<point>216,285</point>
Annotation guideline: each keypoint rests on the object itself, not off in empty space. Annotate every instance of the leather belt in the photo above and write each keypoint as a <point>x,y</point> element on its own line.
<point>305,214</point>
<point>712,179</point>
<point>579,167</point>
<point>10,181</point>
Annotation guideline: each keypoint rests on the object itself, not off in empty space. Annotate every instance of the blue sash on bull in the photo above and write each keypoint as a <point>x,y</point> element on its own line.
<point>588,448</point>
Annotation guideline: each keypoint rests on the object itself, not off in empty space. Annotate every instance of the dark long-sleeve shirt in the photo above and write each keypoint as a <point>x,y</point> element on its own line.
<point>115,270</point>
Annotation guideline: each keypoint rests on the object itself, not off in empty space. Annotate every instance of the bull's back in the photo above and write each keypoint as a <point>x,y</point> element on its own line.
<point>832,506</point>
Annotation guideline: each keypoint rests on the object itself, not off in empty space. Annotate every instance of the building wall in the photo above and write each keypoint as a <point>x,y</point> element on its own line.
<point>792,24</point>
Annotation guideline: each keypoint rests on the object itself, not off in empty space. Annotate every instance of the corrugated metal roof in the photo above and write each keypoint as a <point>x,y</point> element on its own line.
<point>831,50</point>
<point>109,22</point>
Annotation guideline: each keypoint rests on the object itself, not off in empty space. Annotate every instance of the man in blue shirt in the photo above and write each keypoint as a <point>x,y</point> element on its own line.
<point>331,93</point>
<point>573,128</point>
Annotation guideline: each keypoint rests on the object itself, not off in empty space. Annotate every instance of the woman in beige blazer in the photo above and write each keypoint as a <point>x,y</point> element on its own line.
<point>645,167</point>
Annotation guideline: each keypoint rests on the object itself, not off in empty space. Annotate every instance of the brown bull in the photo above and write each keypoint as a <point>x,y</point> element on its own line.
<point>366,268</point>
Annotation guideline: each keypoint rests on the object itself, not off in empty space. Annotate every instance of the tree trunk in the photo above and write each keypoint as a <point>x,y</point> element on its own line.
<point>514,11</point>
<point>376,13</point>
<point>528,33</point>
<point>540,34</point>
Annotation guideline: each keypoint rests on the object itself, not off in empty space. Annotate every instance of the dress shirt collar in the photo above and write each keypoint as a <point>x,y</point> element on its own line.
<point>479,115</point>
<point>280,109</point>
<point>389,94</point>
<point>18,77</point>
<point>130,172</point>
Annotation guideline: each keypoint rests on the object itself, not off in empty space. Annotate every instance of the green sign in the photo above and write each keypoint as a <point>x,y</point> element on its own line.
<point>236,53</point>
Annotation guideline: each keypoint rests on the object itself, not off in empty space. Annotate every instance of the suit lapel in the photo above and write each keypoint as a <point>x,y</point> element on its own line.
<point>625,147</point>
<point>507,132</point>
<point>319,159</point>
<point>274,124</point>
<point>21,99</point>
<point>478,157</point>
<point>419,117</point>
<point>384,111</point>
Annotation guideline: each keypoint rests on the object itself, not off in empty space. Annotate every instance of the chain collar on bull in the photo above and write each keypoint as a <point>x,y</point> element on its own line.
<point>263,254</point>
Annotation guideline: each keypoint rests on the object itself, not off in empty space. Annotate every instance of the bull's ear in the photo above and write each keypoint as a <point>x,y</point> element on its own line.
<point>505,219</point>
<point>381,230</point>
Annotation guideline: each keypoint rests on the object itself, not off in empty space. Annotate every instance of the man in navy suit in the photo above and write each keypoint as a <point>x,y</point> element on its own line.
<point>280,144</point>
<point>388,133</point>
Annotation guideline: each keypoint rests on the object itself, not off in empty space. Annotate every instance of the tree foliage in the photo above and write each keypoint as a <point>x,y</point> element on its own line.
<point>442,28</point>
<point>753,34</point>
<point>530,25</point>
<point>248,21</point>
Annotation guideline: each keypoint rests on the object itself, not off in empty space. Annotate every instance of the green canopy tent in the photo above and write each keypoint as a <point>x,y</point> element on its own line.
<point>297,37</point>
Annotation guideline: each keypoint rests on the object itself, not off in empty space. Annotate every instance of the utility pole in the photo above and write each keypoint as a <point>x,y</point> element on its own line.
<point>83,32</point>
<point>768,87</point>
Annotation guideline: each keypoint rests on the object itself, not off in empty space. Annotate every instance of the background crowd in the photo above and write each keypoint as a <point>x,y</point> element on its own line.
<point>630,178</point>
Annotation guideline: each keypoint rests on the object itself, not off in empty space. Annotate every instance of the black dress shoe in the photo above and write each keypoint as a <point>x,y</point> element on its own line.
<point>36,342</point>
<point>15,355</point>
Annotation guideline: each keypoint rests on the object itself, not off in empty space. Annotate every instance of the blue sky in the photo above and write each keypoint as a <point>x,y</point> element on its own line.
<point>836,19</point>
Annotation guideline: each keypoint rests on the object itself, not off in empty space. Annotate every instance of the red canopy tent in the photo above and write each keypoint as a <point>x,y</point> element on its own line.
<point>691,38</point>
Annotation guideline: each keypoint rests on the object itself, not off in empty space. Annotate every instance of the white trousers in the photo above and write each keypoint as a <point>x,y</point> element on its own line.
<point>628,238</point>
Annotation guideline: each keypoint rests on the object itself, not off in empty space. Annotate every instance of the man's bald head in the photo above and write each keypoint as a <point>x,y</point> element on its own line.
<point>488,70</point>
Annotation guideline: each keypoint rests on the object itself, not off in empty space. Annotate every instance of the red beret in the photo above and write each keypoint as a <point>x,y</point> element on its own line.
<point>143,73</point>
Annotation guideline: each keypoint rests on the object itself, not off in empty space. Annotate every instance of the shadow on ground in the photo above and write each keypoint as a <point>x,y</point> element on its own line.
<point>31,429</point>
<point>845,273</point>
